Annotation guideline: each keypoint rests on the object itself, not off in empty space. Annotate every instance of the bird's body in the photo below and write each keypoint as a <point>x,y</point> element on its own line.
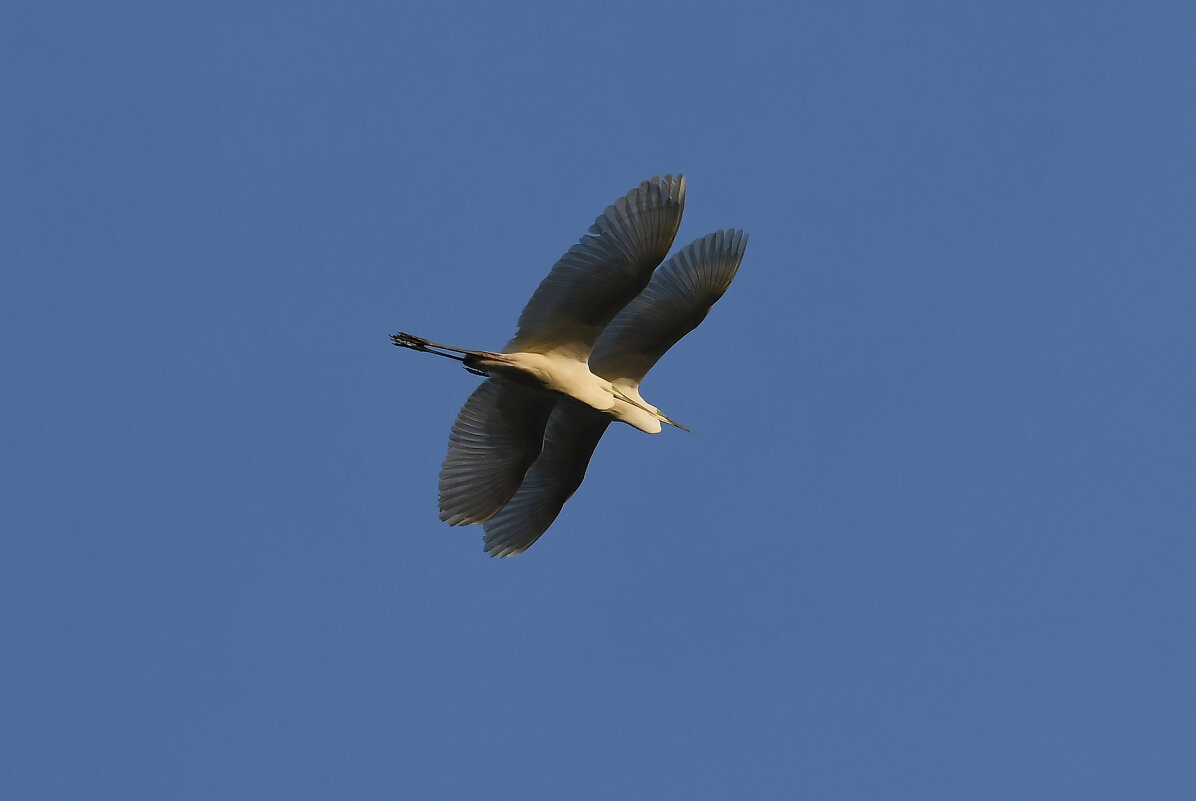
<point>563,375</point>
<point>592,330</point>
<point>557,374</point>
<point>566,376</point>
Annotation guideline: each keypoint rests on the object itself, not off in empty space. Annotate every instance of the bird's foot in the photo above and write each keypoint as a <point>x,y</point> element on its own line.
<point>404,340</point>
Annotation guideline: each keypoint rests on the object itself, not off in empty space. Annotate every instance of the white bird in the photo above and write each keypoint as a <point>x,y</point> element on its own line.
<point>592,330</point>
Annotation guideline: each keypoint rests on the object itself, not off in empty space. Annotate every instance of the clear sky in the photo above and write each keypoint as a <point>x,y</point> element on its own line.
<point>934,537</point>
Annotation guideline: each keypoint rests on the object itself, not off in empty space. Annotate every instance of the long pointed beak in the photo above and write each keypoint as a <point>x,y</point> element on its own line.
<point>657,413</point>
<point>664,419</point>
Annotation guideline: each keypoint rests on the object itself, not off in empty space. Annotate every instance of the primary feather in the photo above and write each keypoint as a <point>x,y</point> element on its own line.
<point>679,296</point>
<point>494,440</point>
<point>600,275</point>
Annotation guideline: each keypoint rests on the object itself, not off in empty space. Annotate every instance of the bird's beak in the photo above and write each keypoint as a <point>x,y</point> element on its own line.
<point>665,419</point>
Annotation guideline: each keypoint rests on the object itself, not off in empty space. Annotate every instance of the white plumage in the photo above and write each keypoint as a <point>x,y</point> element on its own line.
<point>592,330</point>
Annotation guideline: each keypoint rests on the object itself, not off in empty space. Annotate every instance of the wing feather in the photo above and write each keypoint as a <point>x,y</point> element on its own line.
<point>572,433</point>
<point>603,272</point>
<point>679,296</point>
<point>497,436</point>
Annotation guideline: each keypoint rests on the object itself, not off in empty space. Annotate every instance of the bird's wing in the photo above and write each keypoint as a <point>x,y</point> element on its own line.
<point>569,440</point>
<point>679,296</point>
<point>496,437</point>
<point>603,272</point>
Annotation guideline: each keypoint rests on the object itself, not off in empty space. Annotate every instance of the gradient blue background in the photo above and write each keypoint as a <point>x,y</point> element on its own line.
<point>934,537</point>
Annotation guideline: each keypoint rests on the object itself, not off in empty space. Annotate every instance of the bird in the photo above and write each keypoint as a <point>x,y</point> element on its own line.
<point>605,314</point>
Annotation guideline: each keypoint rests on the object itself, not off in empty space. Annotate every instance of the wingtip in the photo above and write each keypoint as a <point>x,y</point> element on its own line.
<point>732,240</point>
<point>501,551</point>
<point>672,185</point>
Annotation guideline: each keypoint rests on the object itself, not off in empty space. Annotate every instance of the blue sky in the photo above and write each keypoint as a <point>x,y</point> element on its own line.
<point>933,537</point>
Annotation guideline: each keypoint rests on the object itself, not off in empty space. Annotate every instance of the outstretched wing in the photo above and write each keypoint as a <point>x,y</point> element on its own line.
<point>569,440</point>
<point>679,296</point>
<point>497,436</point>
<point>603,272</point>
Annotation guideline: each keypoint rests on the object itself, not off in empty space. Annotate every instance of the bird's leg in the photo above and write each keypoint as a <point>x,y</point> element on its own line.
<point>404,340</point>
<point>470,358</point>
